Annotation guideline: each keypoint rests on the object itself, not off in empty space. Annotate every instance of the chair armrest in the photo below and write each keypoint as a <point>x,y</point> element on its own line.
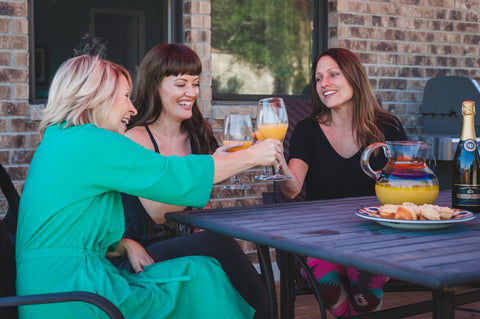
<point>106,305</point>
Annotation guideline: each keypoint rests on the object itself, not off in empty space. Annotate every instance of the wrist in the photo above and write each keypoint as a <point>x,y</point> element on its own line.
<point>246,159</point>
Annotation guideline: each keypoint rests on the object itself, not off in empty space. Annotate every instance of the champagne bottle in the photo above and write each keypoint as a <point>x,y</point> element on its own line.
<point>466,169</point>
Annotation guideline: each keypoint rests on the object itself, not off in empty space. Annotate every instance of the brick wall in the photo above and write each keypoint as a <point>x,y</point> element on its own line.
<point>197,34</point>
<point>18,138</point>
<point>405,43</point>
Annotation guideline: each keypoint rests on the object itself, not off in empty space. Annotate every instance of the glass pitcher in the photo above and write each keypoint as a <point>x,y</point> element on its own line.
<point>406,176</point>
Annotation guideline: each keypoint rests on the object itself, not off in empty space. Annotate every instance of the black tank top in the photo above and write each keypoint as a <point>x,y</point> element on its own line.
<point>139,226</point>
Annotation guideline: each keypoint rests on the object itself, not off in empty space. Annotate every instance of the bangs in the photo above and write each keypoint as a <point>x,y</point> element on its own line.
<point>181,60</point>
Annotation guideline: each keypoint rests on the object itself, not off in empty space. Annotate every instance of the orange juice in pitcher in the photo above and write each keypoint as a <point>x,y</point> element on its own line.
<point>406,176</point>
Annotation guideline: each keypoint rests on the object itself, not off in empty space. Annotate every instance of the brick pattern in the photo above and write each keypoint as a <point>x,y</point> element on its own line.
<point>18,137</point>
<point>197,34</point>
<point>405,43</point>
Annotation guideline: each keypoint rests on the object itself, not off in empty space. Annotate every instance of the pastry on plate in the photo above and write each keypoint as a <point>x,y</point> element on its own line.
<point>411,211</point>
<point>430,212</point>
<point>445,212</point>
<point>406,212</point>
<point>388,210</point>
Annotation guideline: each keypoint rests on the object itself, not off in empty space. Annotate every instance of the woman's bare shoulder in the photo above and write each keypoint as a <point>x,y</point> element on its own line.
<point>139,135</point>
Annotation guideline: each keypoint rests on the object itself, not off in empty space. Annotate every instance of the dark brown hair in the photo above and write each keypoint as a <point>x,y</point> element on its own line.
<point>367,112</point>
<point>166,60</point>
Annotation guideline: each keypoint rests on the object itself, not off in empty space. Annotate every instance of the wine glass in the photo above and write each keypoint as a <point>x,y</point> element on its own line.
<point>259,137</point>
<point>272,122</point>
<point>238,128</point>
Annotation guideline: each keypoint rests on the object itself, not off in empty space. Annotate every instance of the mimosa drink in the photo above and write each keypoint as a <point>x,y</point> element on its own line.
<point>258,136</point>
<point>272,122</point>
<point>276,131</point>
<point>246,144</point>
<point>238,128</point>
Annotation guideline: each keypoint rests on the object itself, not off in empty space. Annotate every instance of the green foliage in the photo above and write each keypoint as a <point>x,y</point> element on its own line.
<point>232,86</point>
<point>272,34</point>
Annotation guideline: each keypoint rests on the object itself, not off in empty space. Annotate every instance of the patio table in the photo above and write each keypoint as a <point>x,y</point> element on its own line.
<point>442,260</point>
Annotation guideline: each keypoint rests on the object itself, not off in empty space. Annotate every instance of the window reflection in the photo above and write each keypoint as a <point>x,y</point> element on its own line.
<point>128,28</point>
<point>261,46</point>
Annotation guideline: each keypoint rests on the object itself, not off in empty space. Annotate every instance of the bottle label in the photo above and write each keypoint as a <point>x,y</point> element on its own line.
<point>470,145</point>
<point>466,195</point>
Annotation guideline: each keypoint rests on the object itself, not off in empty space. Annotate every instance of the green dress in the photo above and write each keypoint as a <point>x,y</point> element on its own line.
<point>71,214</point>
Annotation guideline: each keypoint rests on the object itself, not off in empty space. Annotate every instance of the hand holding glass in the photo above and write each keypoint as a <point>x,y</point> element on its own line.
<point>238,128</point>
<point>272,122</point>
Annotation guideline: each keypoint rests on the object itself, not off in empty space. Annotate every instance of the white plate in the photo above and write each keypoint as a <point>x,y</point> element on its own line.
<point>372,214</point>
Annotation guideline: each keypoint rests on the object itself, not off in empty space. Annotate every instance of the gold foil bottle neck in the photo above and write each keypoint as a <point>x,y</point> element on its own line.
<point>468,108</point>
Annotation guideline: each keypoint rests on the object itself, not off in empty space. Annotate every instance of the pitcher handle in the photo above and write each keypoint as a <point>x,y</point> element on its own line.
<point>365,160</point>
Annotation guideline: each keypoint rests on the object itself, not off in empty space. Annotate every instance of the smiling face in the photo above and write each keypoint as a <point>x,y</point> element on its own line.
<point>121,111</point>
<point>331,85</point>
<point>178,93</point>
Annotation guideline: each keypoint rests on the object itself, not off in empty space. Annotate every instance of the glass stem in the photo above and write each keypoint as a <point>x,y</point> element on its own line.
<point>236,179</point>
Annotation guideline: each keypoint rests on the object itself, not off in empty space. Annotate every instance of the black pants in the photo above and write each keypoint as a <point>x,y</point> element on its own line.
<point>226,250</point>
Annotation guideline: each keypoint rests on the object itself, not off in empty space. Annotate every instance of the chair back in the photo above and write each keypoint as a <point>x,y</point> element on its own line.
<point>8,227</point>
<point>13,199</point>
<point>8,272</point>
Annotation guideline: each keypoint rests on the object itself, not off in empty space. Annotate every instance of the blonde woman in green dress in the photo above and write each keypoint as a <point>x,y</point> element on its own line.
<point>71,214</point>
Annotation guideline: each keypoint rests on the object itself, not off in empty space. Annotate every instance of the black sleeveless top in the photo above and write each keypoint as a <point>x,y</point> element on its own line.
<point>139,226</point>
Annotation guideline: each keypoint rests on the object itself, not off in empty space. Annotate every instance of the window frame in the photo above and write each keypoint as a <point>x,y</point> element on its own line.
<point>320,44</point>
<point>31,44</point>
<point>175,34</point>
<point>176,21</point>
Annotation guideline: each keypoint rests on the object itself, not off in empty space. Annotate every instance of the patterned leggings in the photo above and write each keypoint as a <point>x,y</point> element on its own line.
<point>346,291</point>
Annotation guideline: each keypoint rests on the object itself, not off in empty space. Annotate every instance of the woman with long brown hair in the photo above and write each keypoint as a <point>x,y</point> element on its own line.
<point>71,216</point>
<point>169,122</point>
<point>325,152</point>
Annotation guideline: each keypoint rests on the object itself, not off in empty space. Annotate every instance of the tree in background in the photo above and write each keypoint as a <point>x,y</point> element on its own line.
<point>269,34</point>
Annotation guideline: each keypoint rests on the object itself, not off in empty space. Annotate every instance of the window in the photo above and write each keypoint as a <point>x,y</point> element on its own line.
<point>264,47</point>
<point>128,29</point>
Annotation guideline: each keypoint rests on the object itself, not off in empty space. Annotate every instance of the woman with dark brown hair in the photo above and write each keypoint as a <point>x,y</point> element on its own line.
<point>325,152</point>
<point>71,216</point>
<point>169,122</point>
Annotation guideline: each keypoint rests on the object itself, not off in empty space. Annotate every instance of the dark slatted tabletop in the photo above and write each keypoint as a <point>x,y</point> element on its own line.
<point>330,230</point>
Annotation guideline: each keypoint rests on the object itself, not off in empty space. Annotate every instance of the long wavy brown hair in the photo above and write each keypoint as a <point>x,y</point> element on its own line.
<point>166,60</point>
<point>367,112</point>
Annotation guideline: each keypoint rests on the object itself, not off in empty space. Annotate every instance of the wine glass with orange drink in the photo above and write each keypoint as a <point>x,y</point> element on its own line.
<point>238,128</point>
<point>257,136</point>
<point>272,122</point>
